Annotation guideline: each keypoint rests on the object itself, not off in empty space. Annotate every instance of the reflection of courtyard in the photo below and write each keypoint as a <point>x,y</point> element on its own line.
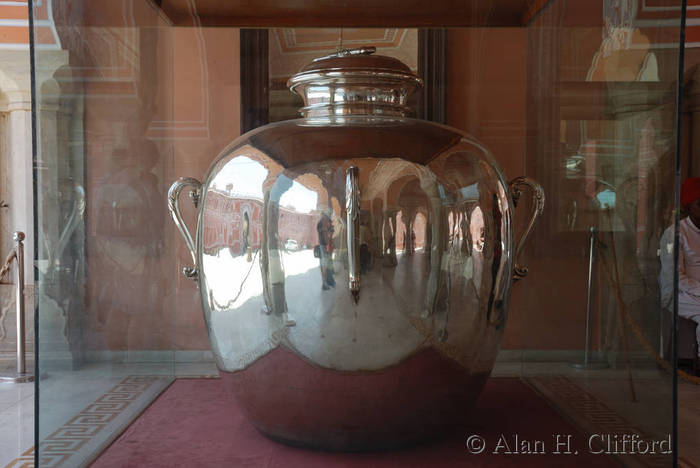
<point>390,322</point>
<point>226,273</point>
<point>333,331</point>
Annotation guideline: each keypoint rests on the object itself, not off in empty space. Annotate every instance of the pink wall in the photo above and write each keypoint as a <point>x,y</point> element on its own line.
<point>170,104</point>
<point>206,118</point>
<point>172,110</point>
<point>198,69</point>
<point>127,89</point>
<point>487,78</point>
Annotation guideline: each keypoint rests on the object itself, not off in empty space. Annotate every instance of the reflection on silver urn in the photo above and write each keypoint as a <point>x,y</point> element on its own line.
<point>355,265</point>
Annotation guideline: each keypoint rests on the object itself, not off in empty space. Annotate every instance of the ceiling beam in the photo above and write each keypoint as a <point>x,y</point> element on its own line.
<point>357,13</point>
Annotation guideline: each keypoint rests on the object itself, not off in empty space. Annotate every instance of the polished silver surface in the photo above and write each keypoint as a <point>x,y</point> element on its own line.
<point>352,200</point>
<point>355,82</point>
<point>345,52</point>
<point>520,271</point>
<point>433,282</point>
<point>294,214</point>
<point>174,210</point>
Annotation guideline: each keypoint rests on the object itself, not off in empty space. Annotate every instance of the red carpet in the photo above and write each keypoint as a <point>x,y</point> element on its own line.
<point>194,424</point>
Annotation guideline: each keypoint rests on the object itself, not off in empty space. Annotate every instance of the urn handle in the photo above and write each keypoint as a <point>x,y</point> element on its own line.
<point>520,271</point>
<point>174,208</point>
<point>352,208</point>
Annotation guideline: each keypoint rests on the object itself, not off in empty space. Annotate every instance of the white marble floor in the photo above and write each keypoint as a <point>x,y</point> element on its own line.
<point>16,420</point>
<point>101,399</point>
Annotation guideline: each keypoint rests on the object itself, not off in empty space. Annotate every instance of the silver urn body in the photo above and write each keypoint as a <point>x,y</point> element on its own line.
<point>355,265</point>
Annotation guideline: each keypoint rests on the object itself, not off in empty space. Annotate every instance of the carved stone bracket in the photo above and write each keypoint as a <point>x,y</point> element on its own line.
<point>7,309</point>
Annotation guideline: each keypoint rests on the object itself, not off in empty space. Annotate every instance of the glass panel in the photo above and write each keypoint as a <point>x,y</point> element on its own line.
<point>579,95</point>
<point>108,318</point>
<point>601,138</point>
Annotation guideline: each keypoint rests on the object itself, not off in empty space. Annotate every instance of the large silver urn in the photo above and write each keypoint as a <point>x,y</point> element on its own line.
<point>355,265</point>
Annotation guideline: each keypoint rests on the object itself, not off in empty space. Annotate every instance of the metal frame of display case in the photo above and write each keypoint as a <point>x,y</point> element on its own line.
<point>575,98</point>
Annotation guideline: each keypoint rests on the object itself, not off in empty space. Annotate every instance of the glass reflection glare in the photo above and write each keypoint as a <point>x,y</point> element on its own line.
<point>242,176</point>
<point>306,239</point>
<point>298,214</point>
<point>299,198</point>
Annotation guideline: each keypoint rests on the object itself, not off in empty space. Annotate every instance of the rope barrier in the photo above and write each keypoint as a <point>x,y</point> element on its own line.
<point>640,335</point>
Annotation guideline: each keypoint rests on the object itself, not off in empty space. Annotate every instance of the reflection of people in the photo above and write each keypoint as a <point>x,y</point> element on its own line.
<point>365,252</point>
<point>325,240</point>
<point>246,233</point>
<point>127,244</point>
<point>466,247</point>
<point>688,257</point>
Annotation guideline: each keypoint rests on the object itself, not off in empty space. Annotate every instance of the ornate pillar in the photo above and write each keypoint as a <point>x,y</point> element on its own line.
<point>275,273</point>
<point>390,236</point>
<point>17,185</point>
<point>16,195</point>
<point>16,155</point>
<point>408,214</point>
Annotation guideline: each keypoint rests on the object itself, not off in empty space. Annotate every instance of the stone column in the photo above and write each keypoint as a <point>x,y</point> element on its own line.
<point>408,215</point>
<point>275,269</point>
<point>17,182</point>
<point>377,224</point>
<point>16,192</point>
<point>390,233</point>
<point>17,157</point>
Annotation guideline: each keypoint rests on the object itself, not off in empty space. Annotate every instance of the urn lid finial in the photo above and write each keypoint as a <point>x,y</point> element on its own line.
<point>355,82</point>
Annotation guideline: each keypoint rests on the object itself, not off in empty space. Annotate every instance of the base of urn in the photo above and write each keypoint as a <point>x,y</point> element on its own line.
<point>290,400</point>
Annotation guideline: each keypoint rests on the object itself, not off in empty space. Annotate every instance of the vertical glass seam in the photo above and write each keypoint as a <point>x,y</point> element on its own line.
<point>676,221</point>
<point>32,71</point>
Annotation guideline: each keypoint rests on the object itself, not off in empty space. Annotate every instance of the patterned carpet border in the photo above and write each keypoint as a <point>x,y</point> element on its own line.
<point>64,443</point>
<point>582,408</point>
<point>592,416</point>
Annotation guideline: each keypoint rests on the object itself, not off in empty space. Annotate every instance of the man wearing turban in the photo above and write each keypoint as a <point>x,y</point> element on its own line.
<point>688,257</point>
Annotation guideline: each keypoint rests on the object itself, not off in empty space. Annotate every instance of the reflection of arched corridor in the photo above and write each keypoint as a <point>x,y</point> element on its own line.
<point>412,200</point>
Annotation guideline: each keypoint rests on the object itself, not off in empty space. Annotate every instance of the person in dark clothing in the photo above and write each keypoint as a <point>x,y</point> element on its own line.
<point>325,240</point>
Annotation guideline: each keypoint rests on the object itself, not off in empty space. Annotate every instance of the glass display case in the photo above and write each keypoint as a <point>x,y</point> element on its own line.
<point>579,95</point>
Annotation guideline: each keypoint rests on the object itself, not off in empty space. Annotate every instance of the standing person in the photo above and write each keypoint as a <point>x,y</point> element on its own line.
<point>325,240</point>
<point>365,252</point>
<point>126,245</point>
<point>246,233</point>
<point>688,257</point>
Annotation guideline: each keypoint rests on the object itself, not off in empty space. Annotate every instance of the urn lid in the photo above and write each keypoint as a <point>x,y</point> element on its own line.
<point>355,82</point>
